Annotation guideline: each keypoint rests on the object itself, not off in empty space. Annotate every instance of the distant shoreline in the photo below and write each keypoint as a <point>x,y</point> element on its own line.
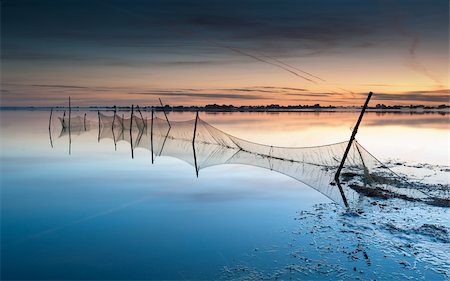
<point>443,109</point>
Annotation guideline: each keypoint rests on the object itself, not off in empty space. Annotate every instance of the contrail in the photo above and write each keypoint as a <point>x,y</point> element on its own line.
<point>413,61</point>
<point>281,65</point>
<point>266,61</point>
<point>293,67</point>
<point>81,220</point>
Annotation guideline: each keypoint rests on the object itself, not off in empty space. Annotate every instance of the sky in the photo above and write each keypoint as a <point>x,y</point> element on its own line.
<point>240,52</point>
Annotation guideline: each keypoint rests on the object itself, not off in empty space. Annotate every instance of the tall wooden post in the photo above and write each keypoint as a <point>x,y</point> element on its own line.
<point>350,142</point>
<point>195,127</point>
<point>114,118</point>
<point>84,121</point>
<point>140,113</point>
<point>151,135</point>
<point>131,128</point>
<point>70,110</point>
<point>98,114</point>
<point>50,118</point>
<point>193,144</point>
<point>164,111</point>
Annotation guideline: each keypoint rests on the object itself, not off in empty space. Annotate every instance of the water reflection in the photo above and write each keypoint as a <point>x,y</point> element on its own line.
<point>99,214</point>
<point>202,145</point>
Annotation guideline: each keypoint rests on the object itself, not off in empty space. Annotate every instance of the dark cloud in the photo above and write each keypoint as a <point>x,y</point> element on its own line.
<point>439,91</point>
<point>203,95</point>
<point>314,94</point>
<point>61,86</point>
<point>306,25</point>
<point>282,88</point>
<point>248,90</point>
<point>273,90</point>
<point>414,97</point>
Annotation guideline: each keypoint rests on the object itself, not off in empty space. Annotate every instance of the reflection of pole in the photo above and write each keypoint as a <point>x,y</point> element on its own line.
<point>164,111</point>
<point>164,142</point>
<point>366,172</point>
<point>131,135</point>
<point>350,142</point>
<point>114,138</point>
<point>49,127</point>
<point>193,144</point>
<point>151,135</point>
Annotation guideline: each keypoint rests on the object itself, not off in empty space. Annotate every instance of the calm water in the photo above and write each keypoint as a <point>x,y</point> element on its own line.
<point>99,214</point>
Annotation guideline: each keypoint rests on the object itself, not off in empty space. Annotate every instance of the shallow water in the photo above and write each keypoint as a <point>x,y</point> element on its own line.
<point>99,214</point>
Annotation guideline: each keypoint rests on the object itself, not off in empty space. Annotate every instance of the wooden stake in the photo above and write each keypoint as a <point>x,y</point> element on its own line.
<point>164,111</point>
<point>195,127</point>
<point>50,118</point>
<point>350,142</point>
<point>142,117</point>
<point>151,135</point>
<point>114,118</point>
<point>131,135</point>
<point>84,121</point>
<point>98,113</point>
<point>193,144</point>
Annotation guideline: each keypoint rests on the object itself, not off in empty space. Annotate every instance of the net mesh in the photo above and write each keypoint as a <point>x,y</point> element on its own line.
<point>203,145</point>
<point>76,126</point>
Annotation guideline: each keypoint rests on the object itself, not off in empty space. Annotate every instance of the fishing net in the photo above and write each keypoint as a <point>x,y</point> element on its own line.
<point>203,145</point>
<point>76,126</point>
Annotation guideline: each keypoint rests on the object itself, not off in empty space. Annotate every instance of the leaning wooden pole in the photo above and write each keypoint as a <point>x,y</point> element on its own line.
<point>164,111</point>
<point>193,144</point>
<point>50,118</point>
<point>350,142</point>
<point>142,117</point>
<point>131,134</point>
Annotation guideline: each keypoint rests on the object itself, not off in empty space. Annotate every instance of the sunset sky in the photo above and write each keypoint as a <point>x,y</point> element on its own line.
<point>241,52</point>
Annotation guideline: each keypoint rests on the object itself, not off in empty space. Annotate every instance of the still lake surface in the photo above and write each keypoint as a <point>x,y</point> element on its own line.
<point>99,214</point>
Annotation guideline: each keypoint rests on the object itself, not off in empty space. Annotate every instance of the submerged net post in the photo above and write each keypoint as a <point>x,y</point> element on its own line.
<point>352,138</point>
<point>164,111</point>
